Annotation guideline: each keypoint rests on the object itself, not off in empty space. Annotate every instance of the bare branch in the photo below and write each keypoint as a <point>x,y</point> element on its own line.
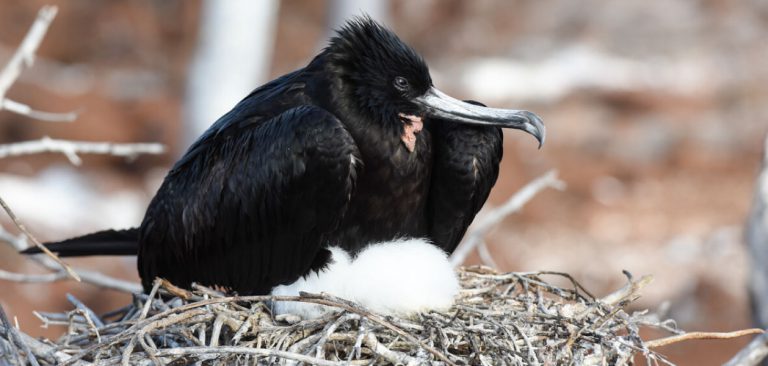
<point>701,335</point>
<point>148,304</point>
<point>14,338</point>
<point>394,357</point>
<point>632,288</point>
<point>756,237</point>
<point>88,276</point>
<point>32,278</point>
<point>71,148</point>
<point>25,54</point>
<point>10,338</point>
<point>515,318</point>
<point>41,348</point>
<point>222,351</point>
<point>752,354</point>
<point>36,242</point>
<point>329,300</point>
<point>513,204</point>
<point>99,279</point>
<point>25,110</point>
<point>89,314</point>
<point>485,255</point>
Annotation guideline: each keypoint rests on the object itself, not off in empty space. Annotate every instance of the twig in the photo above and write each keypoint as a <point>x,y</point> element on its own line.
<point>485,255</point>
<point>631,288</point>
<point>88,320</point>
<point>157,323</point>
<point>246,326</point>
<point>25,54</point>
<point>25,110</point>
<point>45,350</point>
<point>357,349</point>
<point>197,351</point>
<point>88,276</point>
<point>752,354</point>
<point>756,237</point>
<point>15,339</point>
<point>329,300</point>
<point>42,247</point>
<point>513,204</point>
<point>521,320</point>
<point>10,338</point>
<point>394,357</point>
<point>531,354</point>
<point>330,329</point>
<point>98,323</point>
<point>101,280</point>
<point>71,149</point>
<point>32,278</point>
<point>701,335</point>
<point>150,298</point>
<point>175,290</point>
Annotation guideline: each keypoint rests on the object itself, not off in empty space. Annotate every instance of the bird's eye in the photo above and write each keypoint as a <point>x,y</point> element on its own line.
<point>401,83</point>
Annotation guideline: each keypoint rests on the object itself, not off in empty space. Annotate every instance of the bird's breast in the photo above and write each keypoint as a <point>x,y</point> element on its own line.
<point>390,196</point>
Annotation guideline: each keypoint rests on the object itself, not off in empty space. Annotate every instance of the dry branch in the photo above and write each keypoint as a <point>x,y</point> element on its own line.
<point>756,236</point>
<point>45,250</point>
<point>25,54</point>
<point>752,354</point>
<point>71,148</point>
<point>13,338</point>
<point>701,335</point>
<point>512,318</point>
<point>95,278</point>
<point>25,110</point>
<point>226,352</point>
<point>481,228</point>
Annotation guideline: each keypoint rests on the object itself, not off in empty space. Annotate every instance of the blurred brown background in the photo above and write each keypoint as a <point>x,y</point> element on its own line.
<point>656,113</point>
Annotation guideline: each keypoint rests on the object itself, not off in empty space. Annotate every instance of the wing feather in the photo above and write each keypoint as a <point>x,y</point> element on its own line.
<point>250,209</point>
<point>466,165</point>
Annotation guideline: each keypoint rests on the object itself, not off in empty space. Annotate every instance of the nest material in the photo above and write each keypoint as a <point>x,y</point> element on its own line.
<point>498,319</point>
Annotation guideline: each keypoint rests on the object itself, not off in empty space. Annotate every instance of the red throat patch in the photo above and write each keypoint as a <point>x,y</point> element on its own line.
<point>411,128</point>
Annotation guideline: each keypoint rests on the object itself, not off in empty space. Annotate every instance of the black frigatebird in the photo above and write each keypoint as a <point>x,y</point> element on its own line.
<point>356,148</point>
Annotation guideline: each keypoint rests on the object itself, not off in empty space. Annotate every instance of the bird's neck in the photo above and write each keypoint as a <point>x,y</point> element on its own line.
<point>379,137</point>
<point>366,128</point>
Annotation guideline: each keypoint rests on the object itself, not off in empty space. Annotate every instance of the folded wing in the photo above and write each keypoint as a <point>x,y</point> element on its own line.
<point>251,208</point>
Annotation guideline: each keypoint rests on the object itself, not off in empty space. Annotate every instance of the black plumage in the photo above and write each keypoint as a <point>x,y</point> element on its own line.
<point>465,168</point>
<point>331,154</point>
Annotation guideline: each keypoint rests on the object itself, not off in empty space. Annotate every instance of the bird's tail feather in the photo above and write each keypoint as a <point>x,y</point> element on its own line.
<point>107,242</point>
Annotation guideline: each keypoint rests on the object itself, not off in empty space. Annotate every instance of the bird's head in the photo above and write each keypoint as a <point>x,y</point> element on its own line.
<point>384,79</point>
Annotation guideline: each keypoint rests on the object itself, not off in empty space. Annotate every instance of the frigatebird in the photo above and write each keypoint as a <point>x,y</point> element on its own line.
<point>354,149</point>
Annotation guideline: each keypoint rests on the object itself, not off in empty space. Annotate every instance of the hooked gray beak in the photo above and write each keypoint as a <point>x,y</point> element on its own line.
<point>440,105</point>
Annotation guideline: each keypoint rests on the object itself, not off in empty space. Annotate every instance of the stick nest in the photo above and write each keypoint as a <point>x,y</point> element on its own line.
<point>498,319</point>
